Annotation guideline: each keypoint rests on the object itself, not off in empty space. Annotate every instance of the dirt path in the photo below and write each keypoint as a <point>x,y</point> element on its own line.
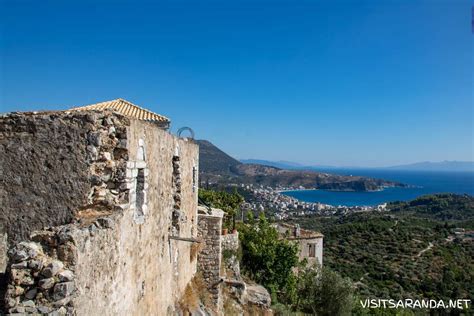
<point>430,245</point>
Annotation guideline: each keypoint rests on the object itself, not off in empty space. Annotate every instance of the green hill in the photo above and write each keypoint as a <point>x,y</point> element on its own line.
<point>212,160</point>
<point>407,252</point>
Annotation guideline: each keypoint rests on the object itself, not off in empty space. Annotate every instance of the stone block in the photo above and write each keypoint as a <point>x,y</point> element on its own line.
<point>140,164</point>
<point>19,255</point>
<point>66,276</point>
<point>52,268</point>
<point>46,283</point>
<point>22,276</point>
<point>106,222</point>
<point>43,309</point>
<point>31,294</point>
<point>20,265</point>
<point>28,303</point>
<point>63,290</point>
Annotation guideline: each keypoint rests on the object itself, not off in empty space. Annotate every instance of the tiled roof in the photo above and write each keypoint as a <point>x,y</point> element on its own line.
<point>126,108</point>
<point>304,233</point>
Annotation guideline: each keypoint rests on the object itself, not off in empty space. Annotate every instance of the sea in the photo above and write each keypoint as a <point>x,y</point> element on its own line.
<point>421,183</point>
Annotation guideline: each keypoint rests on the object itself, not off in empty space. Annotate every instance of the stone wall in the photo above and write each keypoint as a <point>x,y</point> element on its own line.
<point>41,273</point>
<point>230,241</point>
<point>45,167</point>
<point>304,245</point>
<point>3,251</point>
<point>239,297</point>
<point>56,166</point>
<point>135,268</point>
<point>209,259</point>
<point>3,265</point>
<point>117,209</point>
<point>230,249</point>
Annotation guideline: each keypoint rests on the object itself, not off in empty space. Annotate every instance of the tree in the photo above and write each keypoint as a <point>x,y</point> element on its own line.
<point>323,292</point>
<point>228,202</point>
<point>269,260</point>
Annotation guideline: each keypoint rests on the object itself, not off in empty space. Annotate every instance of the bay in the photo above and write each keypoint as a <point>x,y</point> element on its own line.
<point>421,183</point>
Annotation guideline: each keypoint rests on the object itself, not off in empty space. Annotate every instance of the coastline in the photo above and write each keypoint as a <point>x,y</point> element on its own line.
<point>296,190</point>
<point>334,190</point>
<point>415,185</point>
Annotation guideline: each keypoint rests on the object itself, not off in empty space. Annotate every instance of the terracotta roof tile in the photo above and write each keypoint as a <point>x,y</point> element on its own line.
<point>126,108</point>
<point>304,233</point>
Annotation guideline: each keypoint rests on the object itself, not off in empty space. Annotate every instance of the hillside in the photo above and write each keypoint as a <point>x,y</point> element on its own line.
<point>272,176</point>
<point>214,160</point>
<point>443,207</point>
<point>218,167</point>
<point>405,252</point>
<point>277,164</point>
<point>290,165</point>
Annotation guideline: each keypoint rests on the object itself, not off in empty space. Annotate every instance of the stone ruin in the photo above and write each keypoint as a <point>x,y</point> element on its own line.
<point>219,266</point>
<point>99,215</point>
<point>88,211</point>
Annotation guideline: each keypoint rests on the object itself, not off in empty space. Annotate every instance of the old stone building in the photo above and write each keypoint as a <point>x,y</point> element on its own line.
<point>310,242</point>
<point>98,211</point>
<point>99,216</point>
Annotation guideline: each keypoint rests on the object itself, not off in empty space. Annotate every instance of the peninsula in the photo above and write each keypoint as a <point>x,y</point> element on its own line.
<point>217,167</point>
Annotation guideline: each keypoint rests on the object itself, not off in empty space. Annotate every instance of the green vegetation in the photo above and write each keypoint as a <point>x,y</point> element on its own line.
<point>323,292</point>
<point>409,252</point>
<point>273,262</point>
<point>269,260</point>
<point>443,207</point>
<point>228,202</point>
<point>415,250</point>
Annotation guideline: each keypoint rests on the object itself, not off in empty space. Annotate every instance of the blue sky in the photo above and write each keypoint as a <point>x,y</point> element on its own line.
<point>366,83</point>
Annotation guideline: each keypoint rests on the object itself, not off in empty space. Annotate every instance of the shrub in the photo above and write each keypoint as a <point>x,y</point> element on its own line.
<point>323,292</point>
<point>269,260</point>
<point>228,202</point>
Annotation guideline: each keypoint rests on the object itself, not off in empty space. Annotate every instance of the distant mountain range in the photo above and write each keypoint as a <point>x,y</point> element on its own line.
<point>419,166</point>
<point>217,167</point>
<point>437,166</point>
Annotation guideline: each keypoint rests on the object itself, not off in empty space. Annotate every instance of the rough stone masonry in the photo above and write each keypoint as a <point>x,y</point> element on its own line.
<point>88,203</point>
<point>209,259</point>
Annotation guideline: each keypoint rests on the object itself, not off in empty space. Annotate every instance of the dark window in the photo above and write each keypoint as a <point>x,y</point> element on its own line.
<point>140,201</point>
<point>312,250</point>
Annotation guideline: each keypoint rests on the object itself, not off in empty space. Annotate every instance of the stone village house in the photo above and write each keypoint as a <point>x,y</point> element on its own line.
<point>310,243</point>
